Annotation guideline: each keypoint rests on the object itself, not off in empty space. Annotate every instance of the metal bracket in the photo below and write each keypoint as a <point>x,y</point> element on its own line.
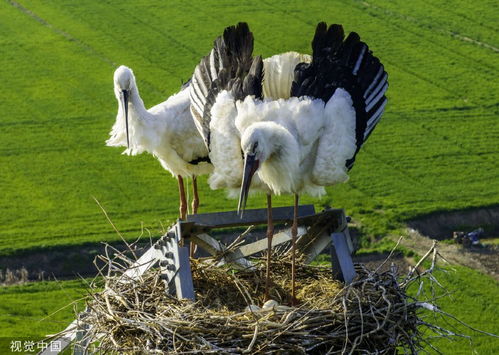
<point>250,217</point>
<point>341,259</point>
<point>174,263</point>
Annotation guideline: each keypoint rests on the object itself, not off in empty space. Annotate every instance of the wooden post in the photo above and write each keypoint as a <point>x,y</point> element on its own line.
<point>341,259</point>
<point>315,232</point>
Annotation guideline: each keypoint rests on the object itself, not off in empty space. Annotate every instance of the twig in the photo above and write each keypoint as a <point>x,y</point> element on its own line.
<point>114,227</point>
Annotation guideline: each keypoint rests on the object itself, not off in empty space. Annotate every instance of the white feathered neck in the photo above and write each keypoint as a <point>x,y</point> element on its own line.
<point>167,130</point>
<point>141,133</point>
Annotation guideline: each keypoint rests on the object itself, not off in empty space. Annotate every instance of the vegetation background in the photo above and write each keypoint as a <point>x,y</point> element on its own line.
<point>436,148</point>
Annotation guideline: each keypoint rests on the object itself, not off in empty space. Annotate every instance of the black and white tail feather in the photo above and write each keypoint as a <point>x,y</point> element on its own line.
<point>349,64</point>
<point>229,66</point>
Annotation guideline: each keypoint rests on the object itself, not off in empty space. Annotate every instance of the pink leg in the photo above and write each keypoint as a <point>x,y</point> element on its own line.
<point>294,233</point>
<point>183,200</point>
<point>195,205</point>
<point>270,234</point>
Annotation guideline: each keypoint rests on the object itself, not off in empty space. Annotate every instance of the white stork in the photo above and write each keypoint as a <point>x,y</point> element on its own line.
<point>228,73</point>
<point>167,131</point>
<point>310,140</point>
<point>307,134</point>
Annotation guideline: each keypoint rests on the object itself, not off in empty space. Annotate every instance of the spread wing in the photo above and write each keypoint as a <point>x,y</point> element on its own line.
<point>348,64</point>
<point>230,66</point>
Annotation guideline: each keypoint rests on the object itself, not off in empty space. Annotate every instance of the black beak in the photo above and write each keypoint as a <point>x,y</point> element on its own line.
<point>125,108</point>
<point>251,165</point>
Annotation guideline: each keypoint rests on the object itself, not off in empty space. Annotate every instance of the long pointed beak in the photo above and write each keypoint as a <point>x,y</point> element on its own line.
<point>251,165</point>
<point>125,108</point>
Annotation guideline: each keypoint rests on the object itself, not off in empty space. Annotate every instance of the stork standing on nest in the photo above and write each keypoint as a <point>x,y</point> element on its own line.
<point>220,82</point>
<point>308,135</point>
<point>310,140</point>
<point>224,77</point>
<point>167,131</point>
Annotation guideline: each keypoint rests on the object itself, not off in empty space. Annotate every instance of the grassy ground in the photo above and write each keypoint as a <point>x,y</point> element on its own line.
<point>32,311</point>
<point>435,149</point>
<point>490,241</point>
<point>473,298</point>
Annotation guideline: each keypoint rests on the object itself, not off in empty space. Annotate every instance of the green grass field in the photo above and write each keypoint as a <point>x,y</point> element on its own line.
<point>472,297</point>
<point>435,149</point>
<point>31,312</point>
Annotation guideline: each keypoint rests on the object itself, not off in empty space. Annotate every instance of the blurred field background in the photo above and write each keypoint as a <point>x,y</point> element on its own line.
<point>436,148</point>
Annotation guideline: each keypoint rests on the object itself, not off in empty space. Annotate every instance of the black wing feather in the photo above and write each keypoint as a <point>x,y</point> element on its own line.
<point>229,66</point>
<point>348,64</point>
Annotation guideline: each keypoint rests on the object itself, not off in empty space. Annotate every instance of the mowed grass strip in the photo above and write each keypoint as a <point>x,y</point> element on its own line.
<point>472,297</point>
<point>34,310</point>
<point>434,150</point>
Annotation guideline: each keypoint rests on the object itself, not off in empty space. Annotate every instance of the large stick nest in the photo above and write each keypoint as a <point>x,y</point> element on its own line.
<point>373,314</point>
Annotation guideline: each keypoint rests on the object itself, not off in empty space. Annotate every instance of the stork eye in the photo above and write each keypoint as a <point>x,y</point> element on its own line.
<point>255,146</point>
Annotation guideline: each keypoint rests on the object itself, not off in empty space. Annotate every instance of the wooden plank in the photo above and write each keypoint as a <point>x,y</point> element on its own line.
<point>261,245</point>
<point>148,259</point>
<point>334,215</point>
<point>209,244</point>
<point>144,263</point>
<point>326,221</point>
<point>318,236</point>
<point>72,333</point>
<point>81,343</point>
<point>319,244</point>
<point>65,341</point>
<point>341,259</point>
<point>349,240</point>
<point>214,247</point>
<point>250,217</point>
<point>175,264</point>
<point>183,278</point>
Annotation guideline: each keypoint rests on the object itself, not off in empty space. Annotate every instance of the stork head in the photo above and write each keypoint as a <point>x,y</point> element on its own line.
<point>124,81</point>
<point>255,149</point>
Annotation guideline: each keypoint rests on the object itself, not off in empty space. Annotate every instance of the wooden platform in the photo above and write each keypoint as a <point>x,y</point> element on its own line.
<point>316,231</point>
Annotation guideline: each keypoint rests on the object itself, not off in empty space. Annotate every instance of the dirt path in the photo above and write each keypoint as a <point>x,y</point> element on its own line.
<point>484,259</point>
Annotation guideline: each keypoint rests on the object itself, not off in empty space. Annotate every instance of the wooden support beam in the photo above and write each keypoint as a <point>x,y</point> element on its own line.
<point>250,217</point>
<point>341,259</point>
<point>214,247</point>
<point>322,228</point>
<point>144,263</point>
<point>65,340</point>
<point>318,236</point>
<point>261,245</point>
<point>175,264</point>
<point>173,260</point>
<point>239,255</point>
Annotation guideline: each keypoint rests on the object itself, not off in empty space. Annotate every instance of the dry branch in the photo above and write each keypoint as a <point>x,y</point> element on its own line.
<point>373,314</point>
